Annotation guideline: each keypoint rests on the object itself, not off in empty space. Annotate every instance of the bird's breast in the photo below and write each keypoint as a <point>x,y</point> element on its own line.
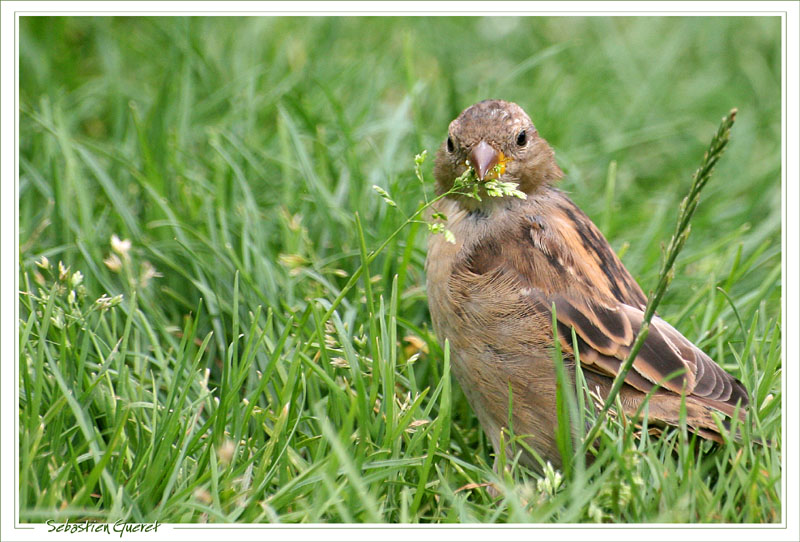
<point>473,297</point>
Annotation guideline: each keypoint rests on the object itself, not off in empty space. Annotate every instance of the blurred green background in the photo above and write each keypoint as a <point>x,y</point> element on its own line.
<point>247,144</point>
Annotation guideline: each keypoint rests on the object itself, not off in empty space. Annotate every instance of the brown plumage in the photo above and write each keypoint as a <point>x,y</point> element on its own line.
<point>491,293</point>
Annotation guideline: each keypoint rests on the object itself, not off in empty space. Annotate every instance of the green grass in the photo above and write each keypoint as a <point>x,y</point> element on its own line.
<point>238,156</point>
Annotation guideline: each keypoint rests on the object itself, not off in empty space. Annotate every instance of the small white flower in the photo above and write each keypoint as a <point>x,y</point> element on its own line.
<point>57,318</point>
<point>121,247</point>
<point>113,262</point>
<point>104,302</point>
<point>77,278</point>
<point>148,272</point>
<point>63,272</point>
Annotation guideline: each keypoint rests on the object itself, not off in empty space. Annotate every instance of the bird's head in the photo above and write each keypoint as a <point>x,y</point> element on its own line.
<point>498,140</point>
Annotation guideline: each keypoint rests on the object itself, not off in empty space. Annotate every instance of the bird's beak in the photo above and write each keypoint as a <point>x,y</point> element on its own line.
<point>483,157</point>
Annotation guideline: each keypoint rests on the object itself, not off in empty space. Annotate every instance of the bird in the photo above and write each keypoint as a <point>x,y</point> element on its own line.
<point>493,284</point>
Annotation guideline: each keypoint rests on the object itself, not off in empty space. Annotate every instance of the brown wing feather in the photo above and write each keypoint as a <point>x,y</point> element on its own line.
<point>605,306</point>
<point>663,407</point>
<point>664,352</point>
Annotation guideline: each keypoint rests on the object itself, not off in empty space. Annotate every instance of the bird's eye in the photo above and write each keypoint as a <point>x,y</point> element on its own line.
<point>522,138</point>
<point>450,145</point>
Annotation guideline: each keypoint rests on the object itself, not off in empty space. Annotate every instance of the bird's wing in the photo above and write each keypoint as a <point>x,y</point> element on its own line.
<point>604,336</point>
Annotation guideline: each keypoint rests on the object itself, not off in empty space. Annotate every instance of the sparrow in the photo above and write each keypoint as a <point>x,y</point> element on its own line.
<point>491,294</point>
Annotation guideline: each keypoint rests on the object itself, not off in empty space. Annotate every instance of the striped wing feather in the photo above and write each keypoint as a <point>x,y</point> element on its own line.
<point>605,336</point>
